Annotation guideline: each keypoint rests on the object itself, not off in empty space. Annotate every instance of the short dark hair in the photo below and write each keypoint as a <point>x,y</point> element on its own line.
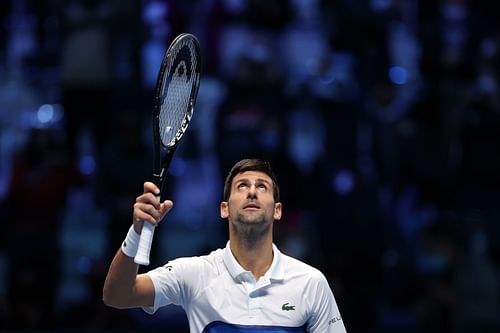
<point>251,164</point>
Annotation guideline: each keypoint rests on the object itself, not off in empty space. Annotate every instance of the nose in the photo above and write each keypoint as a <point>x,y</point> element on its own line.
<point>252,192</point>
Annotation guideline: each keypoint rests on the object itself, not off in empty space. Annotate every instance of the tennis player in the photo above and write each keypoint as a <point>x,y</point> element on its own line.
<point>247,287</point>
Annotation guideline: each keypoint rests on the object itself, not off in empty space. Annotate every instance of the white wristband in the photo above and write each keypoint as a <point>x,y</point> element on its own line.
<point>131,243</point>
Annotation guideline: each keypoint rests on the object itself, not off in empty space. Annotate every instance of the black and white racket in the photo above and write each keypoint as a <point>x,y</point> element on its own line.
<point>176,91</point>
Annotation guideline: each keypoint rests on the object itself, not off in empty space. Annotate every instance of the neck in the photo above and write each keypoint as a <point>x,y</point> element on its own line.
<point>255,256</point>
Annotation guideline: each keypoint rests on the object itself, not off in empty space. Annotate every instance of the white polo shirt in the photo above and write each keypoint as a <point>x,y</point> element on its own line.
<point>218,295</point>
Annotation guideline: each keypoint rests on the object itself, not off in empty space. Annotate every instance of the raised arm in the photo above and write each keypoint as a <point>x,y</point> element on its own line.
<point>123,287</point>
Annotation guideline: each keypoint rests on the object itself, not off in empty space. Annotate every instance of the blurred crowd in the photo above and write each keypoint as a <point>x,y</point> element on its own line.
<point>381,118</point>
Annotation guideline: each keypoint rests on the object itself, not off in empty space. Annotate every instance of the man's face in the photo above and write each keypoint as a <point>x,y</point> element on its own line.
<point>251,201</point>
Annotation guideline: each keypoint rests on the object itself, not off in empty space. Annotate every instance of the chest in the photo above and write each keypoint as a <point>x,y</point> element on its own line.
<point>242,301</point>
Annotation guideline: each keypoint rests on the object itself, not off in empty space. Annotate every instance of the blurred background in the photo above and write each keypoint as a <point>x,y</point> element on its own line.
<point>381,118</point>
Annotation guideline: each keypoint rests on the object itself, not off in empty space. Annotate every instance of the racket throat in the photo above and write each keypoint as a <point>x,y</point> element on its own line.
<point>159,178</point>
<point>160,175</point>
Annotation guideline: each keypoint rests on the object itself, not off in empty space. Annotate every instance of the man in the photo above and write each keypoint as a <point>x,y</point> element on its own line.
<point>249,286</point>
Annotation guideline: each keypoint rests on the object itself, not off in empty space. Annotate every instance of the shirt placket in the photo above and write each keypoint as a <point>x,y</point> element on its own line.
<point>255,296</point>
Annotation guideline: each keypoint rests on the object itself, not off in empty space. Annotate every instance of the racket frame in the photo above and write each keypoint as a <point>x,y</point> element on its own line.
<point>162,164</point>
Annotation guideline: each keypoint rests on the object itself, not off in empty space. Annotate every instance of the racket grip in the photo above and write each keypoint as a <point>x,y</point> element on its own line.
<point>142,256</point>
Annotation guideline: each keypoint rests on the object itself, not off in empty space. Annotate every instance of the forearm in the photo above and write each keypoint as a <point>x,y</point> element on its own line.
<point>119,286</point>
<point>123,288</point>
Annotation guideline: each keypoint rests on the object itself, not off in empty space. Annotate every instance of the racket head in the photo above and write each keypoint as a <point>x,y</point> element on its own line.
<point>175,97</point>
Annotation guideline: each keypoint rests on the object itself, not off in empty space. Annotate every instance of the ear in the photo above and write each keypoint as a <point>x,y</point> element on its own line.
<point>224,210</point>
<point>277,211</point>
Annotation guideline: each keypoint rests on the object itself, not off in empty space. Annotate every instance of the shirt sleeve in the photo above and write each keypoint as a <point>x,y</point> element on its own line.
<point>174,283</point>
<point>325,315</point>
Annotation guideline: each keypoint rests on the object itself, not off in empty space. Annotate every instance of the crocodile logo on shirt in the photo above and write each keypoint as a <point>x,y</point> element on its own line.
<point>287,307</point>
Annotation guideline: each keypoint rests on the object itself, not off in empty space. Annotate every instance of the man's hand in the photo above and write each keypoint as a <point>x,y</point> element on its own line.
<point>148,207</point>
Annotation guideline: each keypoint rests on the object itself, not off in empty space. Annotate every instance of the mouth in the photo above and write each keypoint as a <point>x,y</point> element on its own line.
<point>251,206</point>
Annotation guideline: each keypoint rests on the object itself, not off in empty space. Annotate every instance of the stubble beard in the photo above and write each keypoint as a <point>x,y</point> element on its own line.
<point>251,230</point>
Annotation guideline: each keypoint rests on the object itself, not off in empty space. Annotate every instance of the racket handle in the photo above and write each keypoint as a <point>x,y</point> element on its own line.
<point>142,256</point>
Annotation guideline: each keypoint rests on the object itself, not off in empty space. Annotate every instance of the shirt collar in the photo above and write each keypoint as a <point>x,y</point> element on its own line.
<point>275,272</point>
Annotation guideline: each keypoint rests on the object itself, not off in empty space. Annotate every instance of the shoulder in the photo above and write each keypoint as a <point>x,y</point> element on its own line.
<point>296,267</point>
<point>207,263</point>
<point>304,276</point>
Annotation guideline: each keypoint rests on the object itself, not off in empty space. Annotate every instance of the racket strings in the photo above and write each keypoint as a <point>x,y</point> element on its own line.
<point>176,94</point>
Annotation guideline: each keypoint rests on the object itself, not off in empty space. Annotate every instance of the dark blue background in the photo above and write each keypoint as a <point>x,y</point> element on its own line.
<point>381,118</point>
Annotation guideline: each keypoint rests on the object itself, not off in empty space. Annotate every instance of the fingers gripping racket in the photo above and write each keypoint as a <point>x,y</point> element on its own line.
<point>176,91</point>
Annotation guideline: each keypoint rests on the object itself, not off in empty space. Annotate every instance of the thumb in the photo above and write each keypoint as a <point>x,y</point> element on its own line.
<point>165,207</point>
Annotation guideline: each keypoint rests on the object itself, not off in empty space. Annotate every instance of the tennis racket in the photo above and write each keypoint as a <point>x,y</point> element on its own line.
<point>176,91</point>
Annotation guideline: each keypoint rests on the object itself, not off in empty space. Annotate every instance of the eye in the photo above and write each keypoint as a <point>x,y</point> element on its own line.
<point>242,186</point>
<point>262,187</point>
